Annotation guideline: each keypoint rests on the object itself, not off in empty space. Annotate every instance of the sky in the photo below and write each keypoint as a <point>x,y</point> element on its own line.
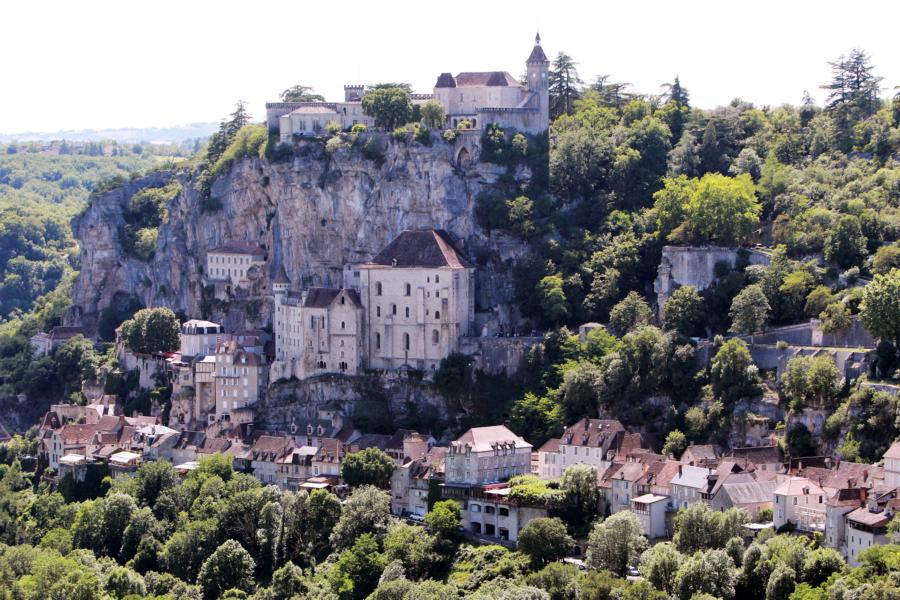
<point>97,64</point>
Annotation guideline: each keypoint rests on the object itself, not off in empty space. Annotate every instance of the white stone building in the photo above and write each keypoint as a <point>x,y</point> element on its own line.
<point>688,486</point>
<point>482,98</point>
<point>199,338</point>
<point>484,455</point>
<point>473,99</point>
<point>892,466</point>
<point>316,331</point>
<point>405,309</point>
<point>241,377</point>
<point>650,509</point>
<point>235,263</point>
<point>800,502</point>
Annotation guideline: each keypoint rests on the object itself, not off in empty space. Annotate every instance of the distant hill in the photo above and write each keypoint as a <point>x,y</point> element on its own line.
<point>174,134</point>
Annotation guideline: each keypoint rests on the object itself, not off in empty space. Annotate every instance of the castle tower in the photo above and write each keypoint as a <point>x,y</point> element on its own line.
<point>538,71</point>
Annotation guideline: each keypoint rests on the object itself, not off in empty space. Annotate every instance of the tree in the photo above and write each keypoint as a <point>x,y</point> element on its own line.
<point>836,318</point>
<point>433,114</point>
<point>853,84</point>
<point>390,106</point>
<point>709,572</point>
<point>152,330</point>
<point>443,519</point>
<point>781,583</point>
<point>288,582</point>
<point>301,93</point>
<point>684,311</point>
<point>371,466</point>
<point>732,373</point>
<point>564,86</point>
<point>616,543</point>
<point>230,566</point>
<point>811,382</point>
<point>675,444</point>
<point>580,483</point>
<point>153,478</point>
<point>559,580</point>
<point>818,300</point>
<point>520,212</point>
<point>660,564</point>
<point>698,527</point>
<point>367,510</point>
<point>629,314</point>
<point>552,298</point>
<point>412,547</point>
<point>579,390</point>
<point>749,310</point>
<point>545,540</point>
<point>820,564</point>
<point>846,243</point>
<point>356,572</point>
<point>723,210</point>
<point>886,258</point>
<point>880,307</point>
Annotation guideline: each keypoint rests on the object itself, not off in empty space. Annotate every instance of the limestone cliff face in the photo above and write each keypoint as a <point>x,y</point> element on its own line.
<point>315,214</point>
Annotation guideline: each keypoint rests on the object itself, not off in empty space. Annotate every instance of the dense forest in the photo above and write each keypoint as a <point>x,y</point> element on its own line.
<point>621,175</point>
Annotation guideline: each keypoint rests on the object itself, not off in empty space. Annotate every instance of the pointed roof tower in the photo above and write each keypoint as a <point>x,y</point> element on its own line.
<point>282,276</point>
<point>537,53</point>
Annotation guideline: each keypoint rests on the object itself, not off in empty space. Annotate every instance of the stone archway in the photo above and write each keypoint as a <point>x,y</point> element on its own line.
<point>463,157</point>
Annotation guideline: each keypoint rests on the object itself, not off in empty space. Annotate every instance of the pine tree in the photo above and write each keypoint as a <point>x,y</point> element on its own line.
<point>853,84</point>
<point>563,86</point>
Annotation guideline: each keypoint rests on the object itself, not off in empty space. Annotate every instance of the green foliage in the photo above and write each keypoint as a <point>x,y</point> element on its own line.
<point>675,444</point>
<point>530,490</point>
<point>698,527</point>
<point>391,107</point>
<point>367,467</point>
<point>367,510</point>
<point>811,382</point>
<point>714,209</point>
<point>845,243</point>
<point>684,311</point>
<point>248,142</point>
<point>152,330</point>
<point>433,114</point>
<point>443,519</point>
<point>733,375</point>
<point>660,564</point>
<point>544,540</point>
<point>230,566</point>
<point>616,543</point>
<point>749,310</point>
<point>709,572</point>
<point>880,308</point>
<point>629,314</point>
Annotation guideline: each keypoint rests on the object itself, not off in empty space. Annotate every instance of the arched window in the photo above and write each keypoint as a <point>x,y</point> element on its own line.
<point>407,290</point>
<point>406,341</point>
<point>435,336</point>
<point>378,341</point>
<point>343,325</point>
<point>378,288</point>
<point>437,314</point>
<point>393,309</point>
<point>342,300</point>
<point>407,312</point>
<point>377,311</point>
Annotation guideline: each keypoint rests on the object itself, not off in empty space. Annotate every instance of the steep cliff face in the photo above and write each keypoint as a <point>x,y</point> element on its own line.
<point>315,214</point>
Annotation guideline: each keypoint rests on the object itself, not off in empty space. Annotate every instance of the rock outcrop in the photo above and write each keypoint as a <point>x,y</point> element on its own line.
<point>315,214</point>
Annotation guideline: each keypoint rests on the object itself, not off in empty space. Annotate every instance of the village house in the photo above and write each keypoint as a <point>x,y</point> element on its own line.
<point>265,455</point>
<point>866,526</point>
<point>44,343</point>
<point>123,464</point>
<point>414,483</point>
<point>801,503</point>
<point>549,460</point>
<point>743,491</point>
<point>651,510</point>
<point>594,442</point>
<point>241,378</point>
<point>688,485</point>
<point>701,455</point>
<point>892,466</point>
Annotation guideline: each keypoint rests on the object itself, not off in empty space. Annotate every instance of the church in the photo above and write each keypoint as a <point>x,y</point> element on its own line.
<point>471,99</point>
<point>407,308</point>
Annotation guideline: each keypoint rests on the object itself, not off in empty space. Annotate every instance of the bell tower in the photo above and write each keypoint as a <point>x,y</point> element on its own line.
<point>538,72</point>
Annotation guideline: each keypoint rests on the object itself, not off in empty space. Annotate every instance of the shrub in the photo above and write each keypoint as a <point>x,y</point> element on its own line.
<point>332,128</point>
<point>400,134</point>
<point>449,136</point>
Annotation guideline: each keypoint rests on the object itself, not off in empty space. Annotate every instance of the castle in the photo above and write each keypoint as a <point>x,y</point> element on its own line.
<point>405,309</point>
<point>471,100</point>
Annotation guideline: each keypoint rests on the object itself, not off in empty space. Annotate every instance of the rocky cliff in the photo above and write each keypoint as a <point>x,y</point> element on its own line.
<point>316,214</point>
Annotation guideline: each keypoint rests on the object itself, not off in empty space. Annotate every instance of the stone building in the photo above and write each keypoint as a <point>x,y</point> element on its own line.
<point>405,309</point>
<point>418,300</point>
<point>234,265</point>
<point>484,455</point>
<point>482,98</point>
<point>471,99</point>
<point>316,331</point>
<point>241,377</point>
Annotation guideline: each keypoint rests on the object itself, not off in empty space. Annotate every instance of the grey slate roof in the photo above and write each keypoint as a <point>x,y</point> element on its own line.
<point>422,248</point>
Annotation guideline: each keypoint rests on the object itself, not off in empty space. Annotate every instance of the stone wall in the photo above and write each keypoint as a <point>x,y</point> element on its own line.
<point>695,265</point>
<point>498,355</point>
<point>851,363</point>
<point>811,334</point>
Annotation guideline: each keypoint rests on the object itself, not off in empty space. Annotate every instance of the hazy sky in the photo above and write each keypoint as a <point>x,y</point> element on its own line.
<point>138,63</point>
